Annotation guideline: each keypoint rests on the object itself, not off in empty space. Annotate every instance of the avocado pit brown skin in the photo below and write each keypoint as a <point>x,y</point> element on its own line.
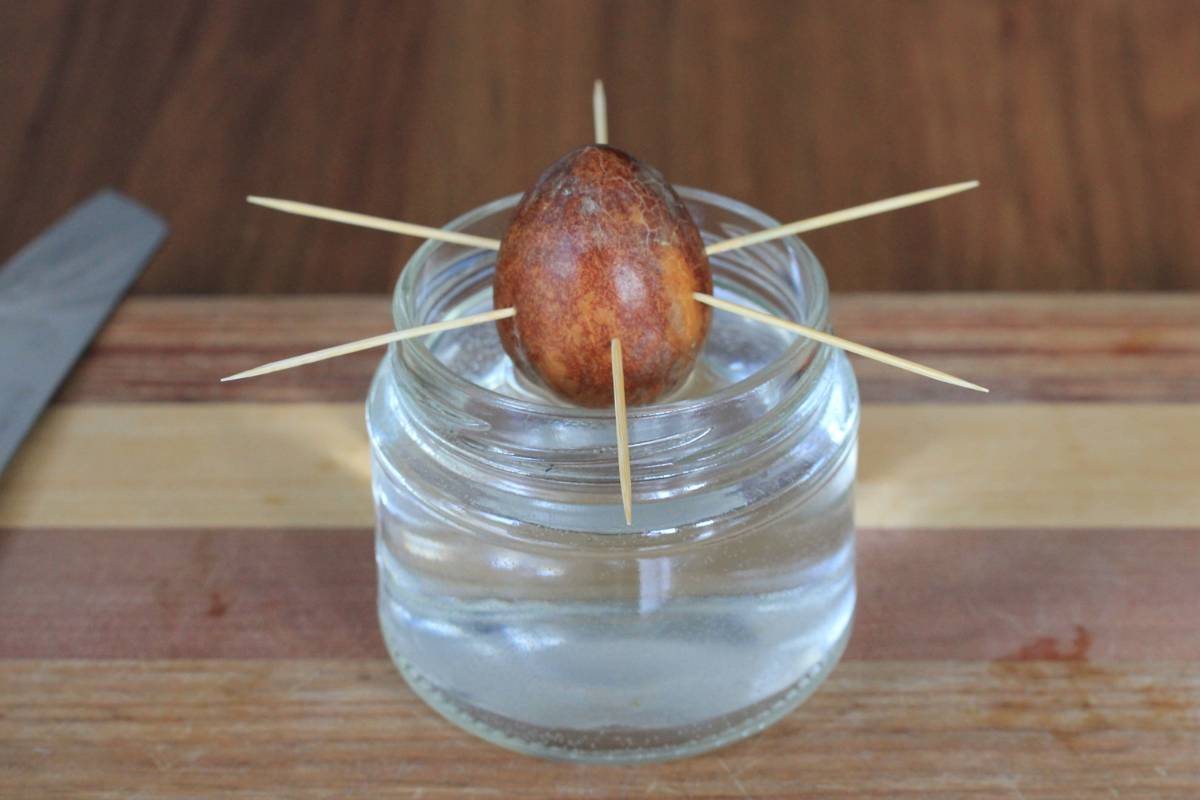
<point>600,248</point>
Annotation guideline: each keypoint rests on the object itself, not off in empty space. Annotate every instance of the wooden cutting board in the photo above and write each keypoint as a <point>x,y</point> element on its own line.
<point>187,576</point>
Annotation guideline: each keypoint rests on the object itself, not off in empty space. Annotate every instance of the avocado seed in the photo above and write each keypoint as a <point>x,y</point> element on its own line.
<point>602,248</point>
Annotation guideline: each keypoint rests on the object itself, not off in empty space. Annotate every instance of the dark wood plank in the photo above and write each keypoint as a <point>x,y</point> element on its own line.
<point>1032,348</point>
<point>1009,595</point>
<point>187,594</point>
<point>1081,119</point>
<point>309,729</point>
<point>1023,347</point>
<point>176,349</point>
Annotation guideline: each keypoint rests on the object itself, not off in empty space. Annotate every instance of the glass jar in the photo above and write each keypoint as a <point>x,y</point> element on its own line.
<point>512,595</point>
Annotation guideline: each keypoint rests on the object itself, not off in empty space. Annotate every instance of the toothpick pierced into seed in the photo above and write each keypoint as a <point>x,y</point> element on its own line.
<point>600,112</point>
<point>374,341</point>
<point>618,372</point>
<point>838,217</point>
<point>758,237</point>
<point>377,223</point>
<point>837,341</point>
<point>600,119</point>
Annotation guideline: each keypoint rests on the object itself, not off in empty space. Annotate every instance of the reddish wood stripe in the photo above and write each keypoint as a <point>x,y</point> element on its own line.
<point>187,594</point>
<point>988,594</point>
<point>1013,594</point>
<point>179,349</point>
<point>1035,348</point>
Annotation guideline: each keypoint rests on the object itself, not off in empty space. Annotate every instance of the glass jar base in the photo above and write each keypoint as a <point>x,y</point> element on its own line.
<point>620,745</point>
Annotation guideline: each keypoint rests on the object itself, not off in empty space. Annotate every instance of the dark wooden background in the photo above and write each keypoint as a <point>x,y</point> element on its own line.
<point>1082,119</point>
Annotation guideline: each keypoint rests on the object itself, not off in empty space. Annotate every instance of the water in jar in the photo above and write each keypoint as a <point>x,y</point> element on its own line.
<point>583,645</point>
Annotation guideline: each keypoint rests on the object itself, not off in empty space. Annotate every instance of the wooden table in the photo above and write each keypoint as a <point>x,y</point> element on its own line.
<point>187,582</point>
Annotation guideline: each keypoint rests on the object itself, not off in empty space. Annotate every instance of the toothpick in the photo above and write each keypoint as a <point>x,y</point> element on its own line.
<point>600,112</point>
<point>618,371</point>
<point>374,341</point>
<point>837,341</point>
<point>377,223</point>
<point>838,217</point>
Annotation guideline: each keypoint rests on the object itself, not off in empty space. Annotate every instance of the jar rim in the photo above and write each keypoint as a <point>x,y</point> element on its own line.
<point>794,359</point>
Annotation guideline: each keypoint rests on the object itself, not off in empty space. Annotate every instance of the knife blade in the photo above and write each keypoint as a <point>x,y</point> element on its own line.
<point>56,293</point>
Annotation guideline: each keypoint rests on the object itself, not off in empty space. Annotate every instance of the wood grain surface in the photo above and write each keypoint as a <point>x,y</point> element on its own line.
<point>306,465</point>
<point>350,728</point>
<point>1082,120</point>
<point>1015,594</point>
<point>1029,348</point>
<point>175,624</point>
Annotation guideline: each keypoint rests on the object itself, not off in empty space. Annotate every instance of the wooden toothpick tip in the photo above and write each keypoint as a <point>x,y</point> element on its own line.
<point>600,112</point>
<point>839,342</point>
<point>373,341</point>
<point>618,373</point>
<point>838,217</point>
<point>375,223</point>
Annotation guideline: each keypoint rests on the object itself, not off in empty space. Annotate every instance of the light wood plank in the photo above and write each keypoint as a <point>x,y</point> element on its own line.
<point>1091,465</point>
<point>333,728</point>
<point>210,464</point>
<point>306,465</point>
